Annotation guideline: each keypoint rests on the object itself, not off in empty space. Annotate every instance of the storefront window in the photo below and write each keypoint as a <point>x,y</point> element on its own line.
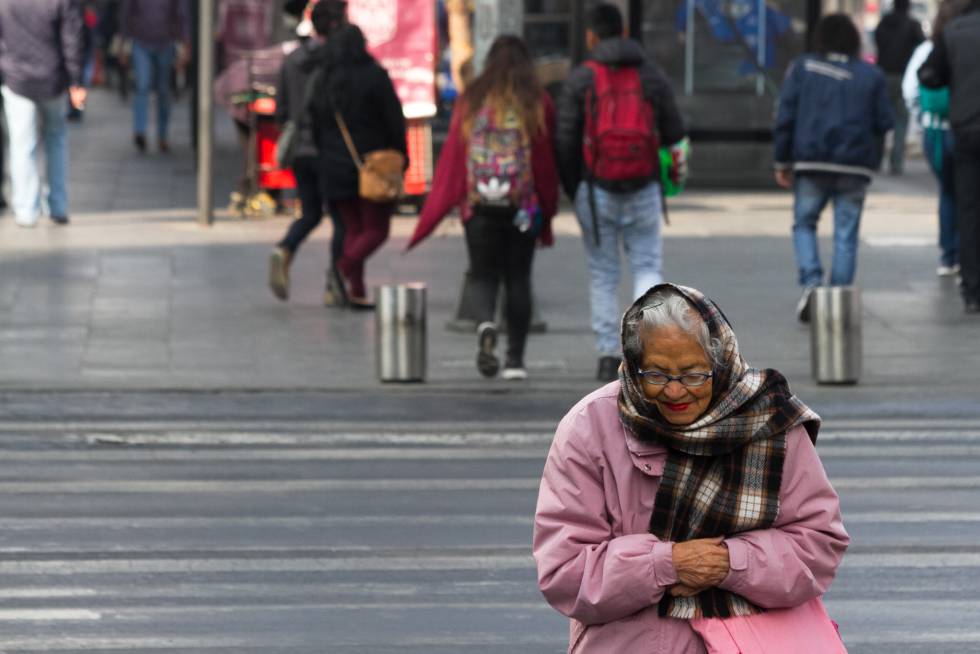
<point>739,46</point>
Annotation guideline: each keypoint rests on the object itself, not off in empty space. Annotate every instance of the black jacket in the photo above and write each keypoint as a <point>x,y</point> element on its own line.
<point>896,38</point>
<point>375,121</point>
<point>292,102</point>
<point>571,105</point>
<point>40,46</point>
<point>953,63</point>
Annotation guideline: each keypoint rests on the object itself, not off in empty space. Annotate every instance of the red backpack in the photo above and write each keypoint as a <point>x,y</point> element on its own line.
<point>621,143</point>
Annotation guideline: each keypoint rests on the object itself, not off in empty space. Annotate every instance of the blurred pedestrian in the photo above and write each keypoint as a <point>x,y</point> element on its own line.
<point>3,199</point>
<point>953,63</point>
<point>89,25</point>
<point>244,26</point>
<point>832,118</point>
<point>615,111</point>
<point>501,134</point>
<point>356,111</point>
<point>680,503</point>
<point>40,59</point>
<point>896,38</point>
<point>156,28</point>
<point>293,104</point>
<point>931,107</point>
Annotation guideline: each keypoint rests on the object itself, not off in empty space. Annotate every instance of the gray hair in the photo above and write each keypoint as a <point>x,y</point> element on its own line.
<point>667,308</point>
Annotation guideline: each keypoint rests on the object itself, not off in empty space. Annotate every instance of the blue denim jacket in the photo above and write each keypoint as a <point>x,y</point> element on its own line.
<point>833,114</point>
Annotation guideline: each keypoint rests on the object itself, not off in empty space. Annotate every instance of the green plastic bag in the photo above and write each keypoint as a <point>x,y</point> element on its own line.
<point>670,179</point>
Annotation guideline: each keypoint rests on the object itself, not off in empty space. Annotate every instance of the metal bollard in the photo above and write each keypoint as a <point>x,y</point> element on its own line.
<point>400,332</point>
<point>835,334</point>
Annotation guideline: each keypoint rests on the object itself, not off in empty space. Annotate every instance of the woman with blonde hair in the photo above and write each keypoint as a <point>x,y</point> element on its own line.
<point>501,135</point>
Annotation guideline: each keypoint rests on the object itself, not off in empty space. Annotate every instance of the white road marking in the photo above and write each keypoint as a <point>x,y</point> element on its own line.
<point>47,615</point>
<point>195,486</point>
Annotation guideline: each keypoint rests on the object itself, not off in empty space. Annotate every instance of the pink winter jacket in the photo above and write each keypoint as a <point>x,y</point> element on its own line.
<point>599,564</point>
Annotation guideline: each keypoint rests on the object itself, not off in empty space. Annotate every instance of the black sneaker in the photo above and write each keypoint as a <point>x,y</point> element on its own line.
<point>514,370</point>
<point>486,361</point>
<point>608,369</point>
<point>140,142</point>
<point>59,220</point>
<point>803,306</point>
<point>971,306</point>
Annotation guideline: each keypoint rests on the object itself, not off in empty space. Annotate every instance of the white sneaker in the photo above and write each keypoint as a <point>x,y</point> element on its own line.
<point>948,271</point>
<point>514,374</point>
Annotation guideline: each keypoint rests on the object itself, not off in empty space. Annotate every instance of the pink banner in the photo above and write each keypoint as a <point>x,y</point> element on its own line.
<point>401,34</point>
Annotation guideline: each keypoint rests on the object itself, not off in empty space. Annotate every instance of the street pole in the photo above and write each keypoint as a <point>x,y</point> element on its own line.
<point>205,113</point>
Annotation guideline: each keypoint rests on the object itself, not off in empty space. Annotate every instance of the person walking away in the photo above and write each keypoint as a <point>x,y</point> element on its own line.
<point>501,134</point>
<point>833,115</point>
<point>292,104</point>
<point>931,106</point>
<point>40,59</point>
<point>953,63</point>
<point>896,38</point>
<point>354,98</point>
<point>3,199</point>
<point>156,27</point>
<point>614,113</point>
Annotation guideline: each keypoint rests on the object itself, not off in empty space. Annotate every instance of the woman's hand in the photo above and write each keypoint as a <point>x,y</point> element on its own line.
<point>700,564</point>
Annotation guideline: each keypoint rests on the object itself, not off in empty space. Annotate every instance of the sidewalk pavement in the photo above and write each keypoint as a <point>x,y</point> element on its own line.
<point>134,295</point>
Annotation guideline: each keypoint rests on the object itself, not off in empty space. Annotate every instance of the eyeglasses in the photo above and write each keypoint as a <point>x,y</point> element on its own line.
<point>688,379</point>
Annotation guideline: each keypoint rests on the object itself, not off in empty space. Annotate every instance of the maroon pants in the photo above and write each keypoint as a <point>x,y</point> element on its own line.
<point>366,227</point>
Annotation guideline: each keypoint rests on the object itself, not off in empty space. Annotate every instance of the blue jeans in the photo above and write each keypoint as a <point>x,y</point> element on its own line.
<point>25,118</point>
<point>152,68</point>
<point>938,148</point>
<point>813,191</point>
<point>632,219</point>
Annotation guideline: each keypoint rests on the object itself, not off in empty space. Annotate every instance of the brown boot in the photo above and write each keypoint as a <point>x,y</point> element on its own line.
<point>279,262</point>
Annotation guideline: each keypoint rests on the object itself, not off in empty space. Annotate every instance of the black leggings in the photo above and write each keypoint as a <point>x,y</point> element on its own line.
<point>499,251</point>
<point>312,197</point>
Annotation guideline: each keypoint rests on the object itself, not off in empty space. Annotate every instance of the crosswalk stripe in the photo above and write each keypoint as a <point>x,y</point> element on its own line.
<point>156,456</point>
<point>183,486</point>
<point>261,642</point>
<point>221,523</point>
<point>380,563</point>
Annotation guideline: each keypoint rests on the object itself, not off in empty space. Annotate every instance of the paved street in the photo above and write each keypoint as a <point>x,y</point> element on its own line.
<point>156,534</point>
<point>188,465</point>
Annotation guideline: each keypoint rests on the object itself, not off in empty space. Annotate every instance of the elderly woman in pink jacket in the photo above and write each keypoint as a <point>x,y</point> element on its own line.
<point>683,508</point>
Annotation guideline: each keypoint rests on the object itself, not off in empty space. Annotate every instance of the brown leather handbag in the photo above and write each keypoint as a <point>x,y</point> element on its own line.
<point>380,173</point>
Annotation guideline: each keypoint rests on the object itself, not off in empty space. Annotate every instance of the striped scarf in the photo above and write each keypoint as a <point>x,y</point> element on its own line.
<point>723,471</point>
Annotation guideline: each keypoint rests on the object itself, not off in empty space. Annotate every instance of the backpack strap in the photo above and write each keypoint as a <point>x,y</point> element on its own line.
<point>600,84</point>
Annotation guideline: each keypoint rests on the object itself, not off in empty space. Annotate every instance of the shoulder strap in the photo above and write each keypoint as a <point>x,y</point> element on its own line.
<point>348,140</point>
<point>600,77</point>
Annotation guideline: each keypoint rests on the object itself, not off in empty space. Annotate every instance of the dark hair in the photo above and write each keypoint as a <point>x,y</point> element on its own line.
<point>606,21</point>
<point>344,49</point>
<point>508,81</point>
<point>836,33</point>
<point>328,15</point>
<point>901,7</point>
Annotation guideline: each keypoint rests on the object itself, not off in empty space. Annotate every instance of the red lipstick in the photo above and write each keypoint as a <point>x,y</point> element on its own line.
<point>677,407</point>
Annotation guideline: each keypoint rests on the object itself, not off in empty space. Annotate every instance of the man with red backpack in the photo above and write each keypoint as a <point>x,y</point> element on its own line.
<point>615,112</point>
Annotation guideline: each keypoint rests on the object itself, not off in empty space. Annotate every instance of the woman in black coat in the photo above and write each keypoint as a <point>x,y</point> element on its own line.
<point>357,88</point>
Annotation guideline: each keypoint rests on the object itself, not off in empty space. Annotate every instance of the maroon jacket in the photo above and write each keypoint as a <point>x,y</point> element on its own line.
<point>449,188</point>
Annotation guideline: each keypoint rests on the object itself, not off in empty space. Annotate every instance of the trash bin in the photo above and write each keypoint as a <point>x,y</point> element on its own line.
<point>835,334</point>
<point>400,332</point>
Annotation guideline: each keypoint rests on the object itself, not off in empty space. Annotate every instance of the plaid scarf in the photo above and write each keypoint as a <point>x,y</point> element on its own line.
<point>723,471</point>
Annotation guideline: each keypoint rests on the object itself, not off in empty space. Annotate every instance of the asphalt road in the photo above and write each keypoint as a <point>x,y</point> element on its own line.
<point>235,530</point>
